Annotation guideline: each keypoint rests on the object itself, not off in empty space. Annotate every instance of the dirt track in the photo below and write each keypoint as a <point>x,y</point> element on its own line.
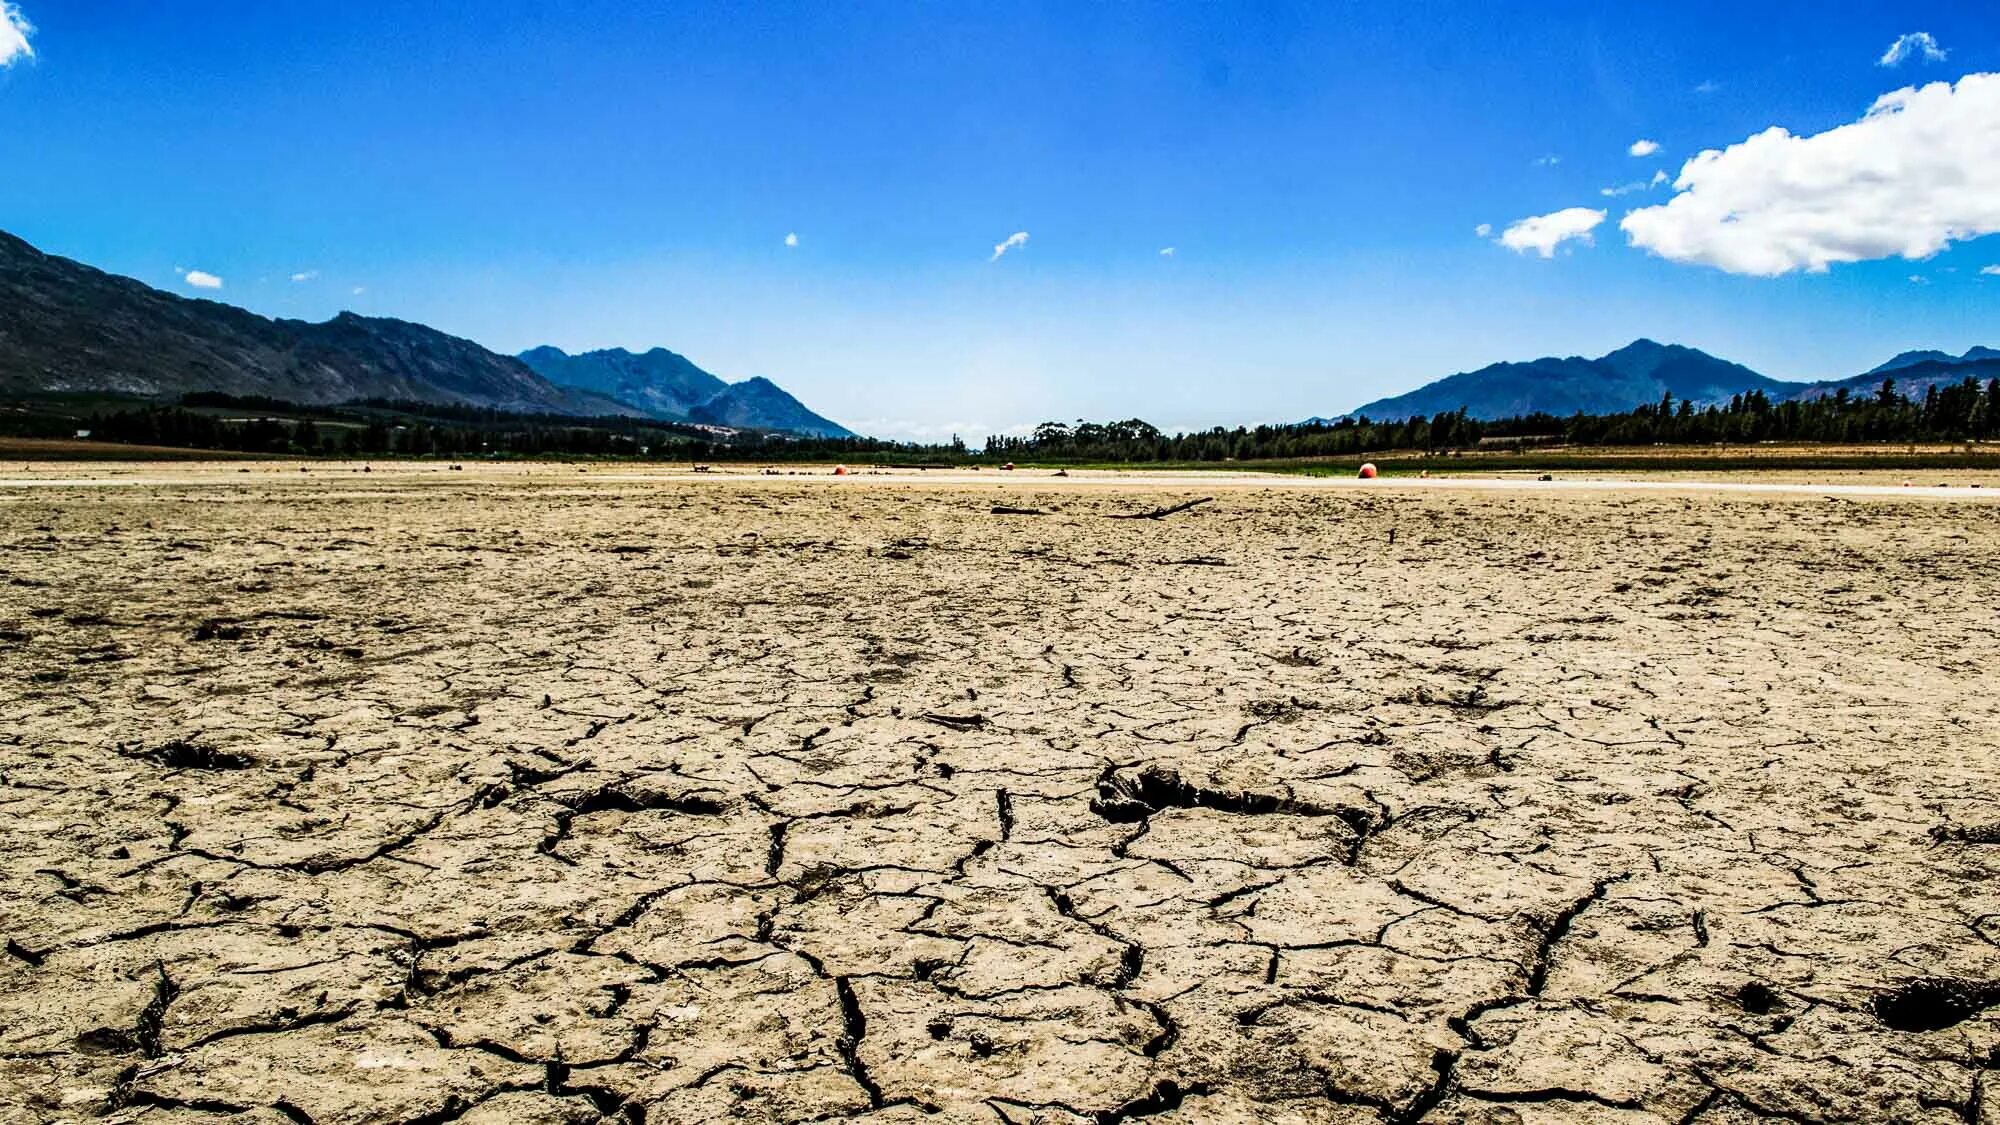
<point>496,799</point>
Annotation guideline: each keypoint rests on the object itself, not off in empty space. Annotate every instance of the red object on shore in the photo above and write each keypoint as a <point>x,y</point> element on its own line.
<point>1368,470</point>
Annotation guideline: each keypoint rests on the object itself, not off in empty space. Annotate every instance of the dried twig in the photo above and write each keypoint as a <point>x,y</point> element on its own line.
<point>1160,513</point>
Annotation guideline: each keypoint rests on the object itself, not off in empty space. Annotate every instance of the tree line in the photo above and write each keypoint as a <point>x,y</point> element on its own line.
<point>1958,412</point>
<point>390,428</point>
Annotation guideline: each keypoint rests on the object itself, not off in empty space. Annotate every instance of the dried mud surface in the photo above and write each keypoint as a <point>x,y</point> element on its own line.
<point>491,800</point>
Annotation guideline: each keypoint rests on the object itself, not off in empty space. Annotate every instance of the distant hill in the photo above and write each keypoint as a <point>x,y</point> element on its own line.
<point>1913,359</point>
<point>761,404</point>
<point>1915,378</point>
<point>1643,371</point>
<point>670,387</point>
<point>661,383</point>
<point>65,326</point>
<point>1638,373</point>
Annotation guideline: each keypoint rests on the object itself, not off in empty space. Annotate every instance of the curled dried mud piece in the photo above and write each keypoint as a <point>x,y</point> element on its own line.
<point>1934,1003</point>
<point>180,754</point>
<point>1966,834</point>
<point>1126,796</point>
<point>615,799</point>
<point>956,722</point>
<point>1757,998</point>
<point>19,952</point>
<point>1164,1097</point>
<point>218,629</point>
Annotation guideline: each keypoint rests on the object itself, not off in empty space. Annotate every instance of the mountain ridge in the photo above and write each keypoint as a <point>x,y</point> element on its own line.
<point>670,387</point>
<point>1643,372</point>
<point>67,326</point>
<point>658,381</point>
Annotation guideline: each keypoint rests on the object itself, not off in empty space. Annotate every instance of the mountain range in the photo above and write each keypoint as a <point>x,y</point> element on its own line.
<point>1642,372</point>
<point>67,327</point>
<point>670,387</point>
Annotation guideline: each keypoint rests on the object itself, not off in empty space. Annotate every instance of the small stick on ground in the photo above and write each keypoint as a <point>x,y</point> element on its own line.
<point>1160,513</point>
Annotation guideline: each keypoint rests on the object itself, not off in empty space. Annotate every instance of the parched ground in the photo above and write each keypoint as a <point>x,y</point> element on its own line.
<point>493,798</point>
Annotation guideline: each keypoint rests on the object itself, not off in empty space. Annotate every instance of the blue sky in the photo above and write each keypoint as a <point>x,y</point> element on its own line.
<point>593,174</point>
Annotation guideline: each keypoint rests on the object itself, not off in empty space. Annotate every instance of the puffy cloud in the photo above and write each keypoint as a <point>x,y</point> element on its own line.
<point>1166,251</point>
<point>305,275</point>
<point>1483,229</point>
<point>14,32</point>
<point>1018,238</point>
<point>1917,44</point>
<point>1543,233</point>
<point>792,239</point>
<point>1549,161</point>
<point>1643,147</point>
<point>1991,271</point>
<point>1919,279</point>
<point>201,280</point>
<point>1919,171</point>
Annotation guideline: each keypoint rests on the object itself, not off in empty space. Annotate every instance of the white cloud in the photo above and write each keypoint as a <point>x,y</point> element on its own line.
<point>201,280</point>
<point>1483,229</point>
<point>1914,45</point>
<point>1166,251</point>
<point>1919,171</point>
<point>305,275</point>
<point>1549,161</point>
<point>1919,279</point>
<point>1543,233</point>
<point>1636,185</point>
<point>14,32</point>
<point>1990,271</point>
<point>792,239</point>
<point>1643,147</point>
<point>1708,86</point>
<point>1018,238</point>
<point>360,289</point>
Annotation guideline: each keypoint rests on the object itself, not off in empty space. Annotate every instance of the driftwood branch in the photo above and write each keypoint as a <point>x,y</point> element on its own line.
<point>1160,513</point>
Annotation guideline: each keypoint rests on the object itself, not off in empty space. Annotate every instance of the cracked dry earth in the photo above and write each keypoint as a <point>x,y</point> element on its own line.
<point>493,801</point>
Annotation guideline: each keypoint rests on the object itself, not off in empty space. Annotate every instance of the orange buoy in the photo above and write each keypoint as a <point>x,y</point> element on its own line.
<point>1368,470</point>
